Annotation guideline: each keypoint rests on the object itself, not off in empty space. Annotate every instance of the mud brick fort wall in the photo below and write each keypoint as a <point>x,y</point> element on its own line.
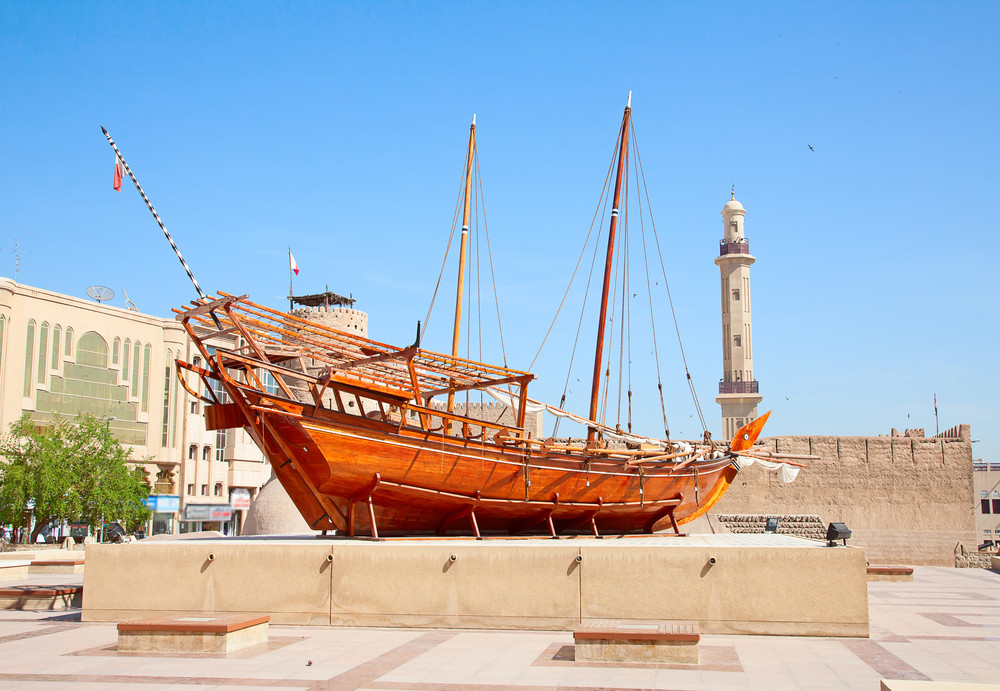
<point>342,318</point>
<point>907,499</point>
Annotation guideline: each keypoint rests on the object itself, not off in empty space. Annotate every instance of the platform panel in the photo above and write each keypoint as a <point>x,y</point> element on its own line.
<point>757,585</point>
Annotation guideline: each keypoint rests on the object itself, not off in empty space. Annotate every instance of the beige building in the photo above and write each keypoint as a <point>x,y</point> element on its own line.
<point>69,356</point>
<point>738,390</point>
<point>986,487</point>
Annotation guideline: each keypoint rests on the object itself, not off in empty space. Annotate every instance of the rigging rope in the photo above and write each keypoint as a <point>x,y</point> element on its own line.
<point>687,372</point>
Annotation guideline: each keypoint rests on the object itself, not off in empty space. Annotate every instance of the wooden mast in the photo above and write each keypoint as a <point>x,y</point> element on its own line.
<point>462,249</point>
<point>595,390</point>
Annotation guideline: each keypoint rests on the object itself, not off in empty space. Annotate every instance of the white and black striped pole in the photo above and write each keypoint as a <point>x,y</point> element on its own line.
<point>156,216</point>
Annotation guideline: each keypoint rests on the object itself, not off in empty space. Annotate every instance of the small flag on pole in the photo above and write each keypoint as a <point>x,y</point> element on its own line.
<point>291,262</point>
<point>119,173</point>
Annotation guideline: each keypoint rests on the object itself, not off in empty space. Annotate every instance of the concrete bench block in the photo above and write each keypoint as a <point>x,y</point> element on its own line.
<point>618,641</point>
<point>56,566</point>
<point>890,573</point>
<point>222,633</point>
<point>41,597</point>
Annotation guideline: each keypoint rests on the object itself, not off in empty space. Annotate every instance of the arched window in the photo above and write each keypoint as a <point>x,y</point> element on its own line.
<point>136,349</point>
<point>145,376</point>
<point>206,453</point>
<point>68,352</point>
<point>168,361</point>
<point>125,361</point>
<point>43,342</point>
<point>116,346</point>
<point>56,338</point>
<point>193,452</point>
<point>92,350</point>
<point>29,356</point>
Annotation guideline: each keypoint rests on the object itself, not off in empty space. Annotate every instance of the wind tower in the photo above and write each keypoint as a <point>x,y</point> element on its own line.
<point>738,390</point>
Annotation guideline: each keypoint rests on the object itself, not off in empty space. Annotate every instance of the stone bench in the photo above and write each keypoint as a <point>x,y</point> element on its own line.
<point>11,570</point>
<point>56,566</point>
<point>41,597</point>
<point>890,573</point>
<point>222,633</point>
<point>635,641</point>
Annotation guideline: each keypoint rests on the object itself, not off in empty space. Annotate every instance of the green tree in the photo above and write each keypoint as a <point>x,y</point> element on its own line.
<point>73,470</point>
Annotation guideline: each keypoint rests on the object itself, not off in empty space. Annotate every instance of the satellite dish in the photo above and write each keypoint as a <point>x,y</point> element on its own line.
<point>100,293</point>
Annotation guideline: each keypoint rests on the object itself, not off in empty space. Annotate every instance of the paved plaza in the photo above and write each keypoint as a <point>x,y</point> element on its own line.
<point>943,626</point>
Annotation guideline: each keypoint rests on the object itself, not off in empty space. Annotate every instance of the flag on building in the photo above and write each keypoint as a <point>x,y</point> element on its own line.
<point>119,173</point>
<point>291,262</point>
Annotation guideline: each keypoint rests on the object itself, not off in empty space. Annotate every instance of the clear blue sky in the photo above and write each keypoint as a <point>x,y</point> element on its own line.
<point>340,128</point>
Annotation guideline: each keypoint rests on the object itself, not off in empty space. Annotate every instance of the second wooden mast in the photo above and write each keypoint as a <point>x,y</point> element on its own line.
<point>596,389</point>
<point>462,250</point>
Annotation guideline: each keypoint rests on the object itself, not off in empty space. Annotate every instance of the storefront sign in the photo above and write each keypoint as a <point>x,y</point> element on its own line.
<point>239,497</point>
<point>208,512</point>
<point>163,503</point>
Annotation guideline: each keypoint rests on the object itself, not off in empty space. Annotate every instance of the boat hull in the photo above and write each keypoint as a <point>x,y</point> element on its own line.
<point>368,477</point>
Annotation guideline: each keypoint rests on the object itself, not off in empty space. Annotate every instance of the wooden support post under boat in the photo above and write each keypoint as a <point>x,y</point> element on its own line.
<point>365,496</point>
<point>468,511</point>
<point>590,517</point>
<point>666,511</point>
<point>545,518</point>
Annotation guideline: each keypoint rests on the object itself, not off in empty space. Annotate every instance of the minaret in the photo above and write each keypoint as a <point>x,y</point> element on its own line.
<point>738,393</point>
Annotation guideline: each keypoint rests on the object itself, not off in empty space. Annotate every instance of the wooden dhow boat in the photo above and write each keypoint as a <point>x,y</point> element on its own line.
<point>358,435</point>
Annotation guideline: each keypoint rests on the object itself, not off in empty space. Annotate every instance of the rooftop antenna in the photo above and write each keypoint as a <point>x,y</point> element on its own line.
<point>17,251</point>
<point>128,302</point>
<point>100,293</point>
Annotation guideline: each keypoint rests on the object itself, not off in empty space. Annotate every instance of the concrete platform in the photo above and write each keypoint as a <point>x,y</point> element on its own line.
<point>746,584</point>
<point>193,634</point>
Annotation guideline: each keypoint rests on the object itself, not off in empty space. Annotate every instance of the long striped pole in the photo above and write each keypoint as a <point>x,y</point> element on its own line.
<point>156,216</point>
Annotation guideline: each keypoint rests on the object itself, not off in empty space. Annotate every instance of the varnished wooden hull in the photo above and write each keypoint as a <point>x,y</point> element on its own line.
<point>332,463</point>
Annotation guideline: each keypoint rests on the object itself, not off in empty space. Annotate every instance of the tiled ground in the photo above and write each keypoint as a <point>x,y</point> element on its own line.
<point>944,626</point>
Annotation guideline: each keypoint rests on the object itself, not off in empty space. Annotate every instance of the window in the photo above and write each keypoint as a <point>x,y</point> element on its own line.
<point>56,338</point>
<point>43,338</point>
<point>996,494</point>
<point>204,490</point>
<point>736,294</point>
<point>128,345</point>
<point>147,351</point>
<point>206,453</point>
<point>29,356</point>
<point>92,351</point>
<point>737,340</point>
<point>218,489</point>
<point>220,445</point>
<point>985,505</point>
<point>190,488</point>
<point>136,349</point>
<point>166,398</point>
<point>116,346</point>
<point>3,322</point>
<point>68,350</point>
<point>194,407</point>
<point>270,385</point>
<point>192,452</point>
<point>996,506</point>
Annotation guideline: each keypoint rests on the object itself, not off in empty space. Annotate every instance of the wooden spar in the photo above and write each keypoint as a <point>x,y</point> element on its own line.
<point>156,216</point>
<point>602,317</point>
<point>461,253</point>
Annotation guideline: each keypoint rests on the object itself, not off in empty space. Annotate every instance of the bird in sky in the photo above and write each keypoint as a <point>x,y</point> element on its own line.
<point>811,148</point>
